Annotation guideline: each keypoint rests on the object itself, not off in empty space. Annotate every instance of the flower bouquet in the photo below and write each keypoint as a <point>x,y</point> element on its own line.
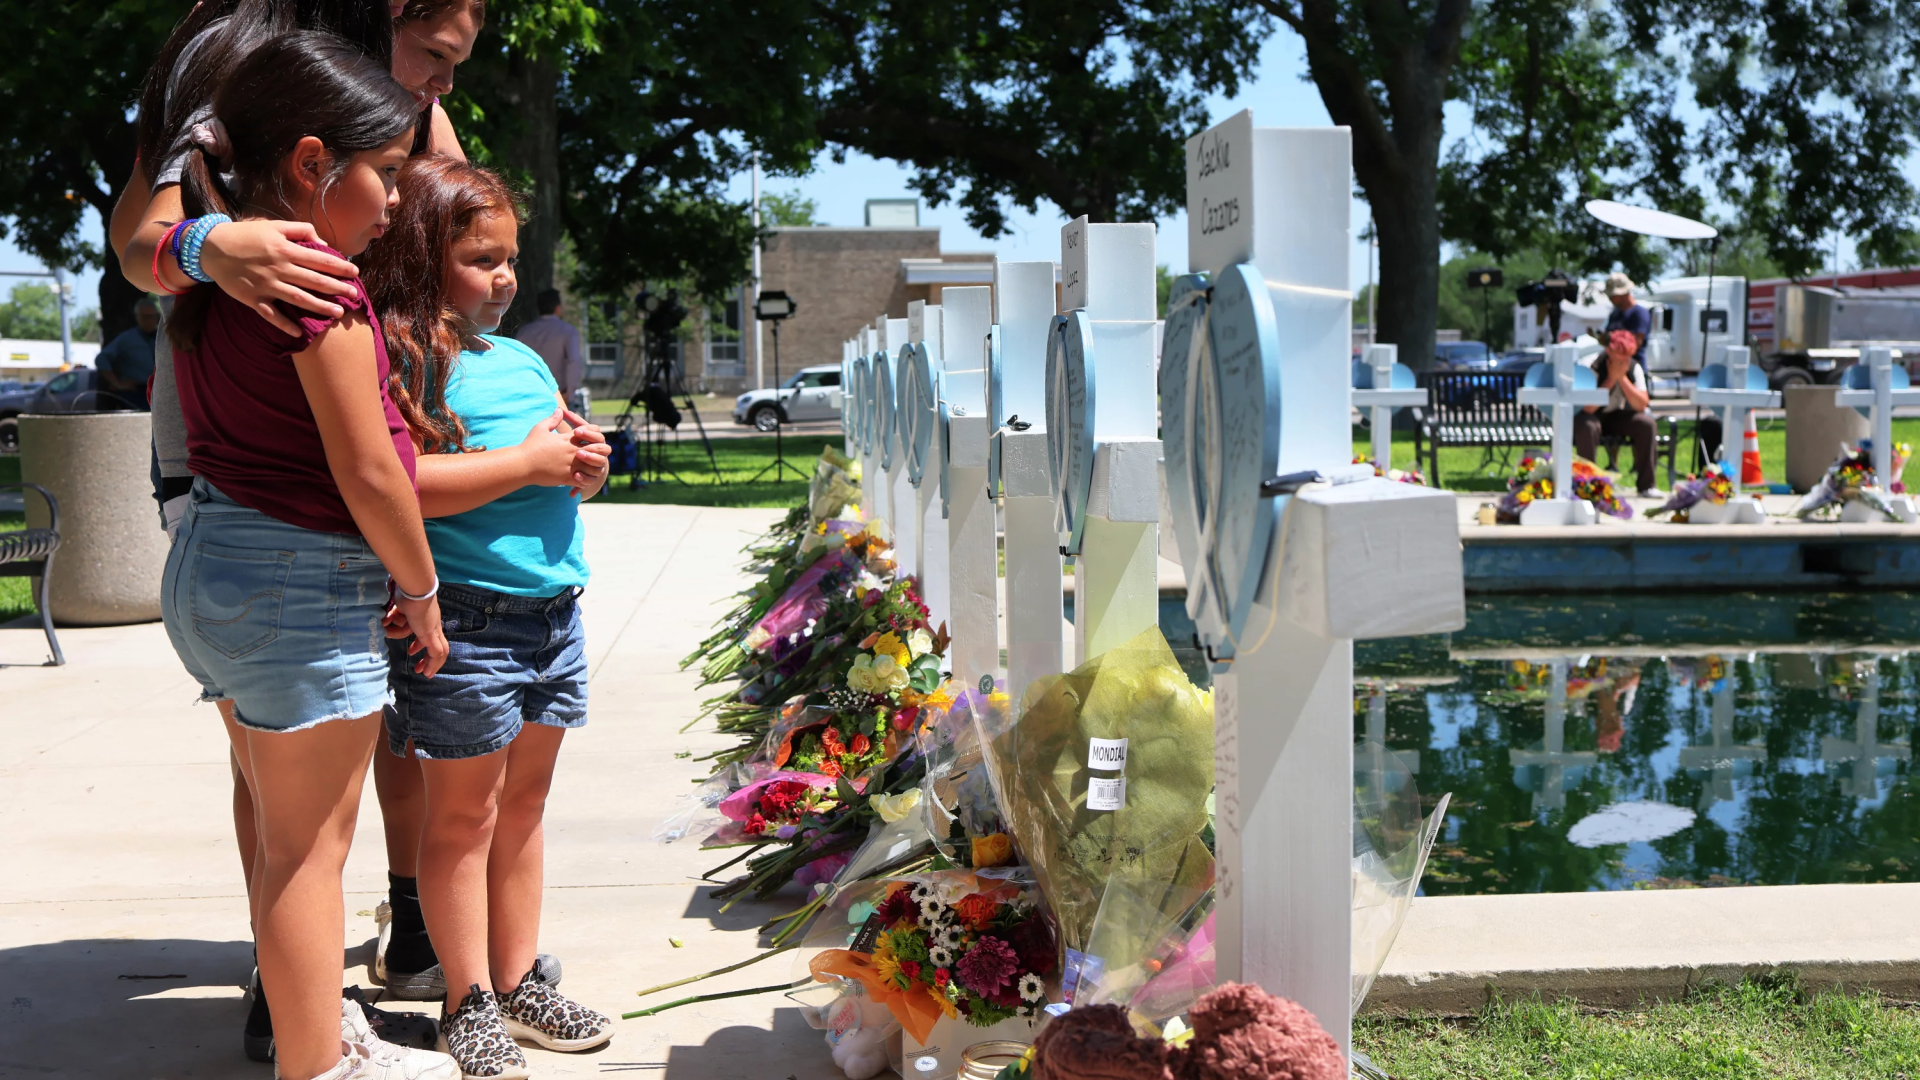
<point>1404,476</point>
<point>1715,486</point>
<point>1533,481</point>
<point>953,943</point>
<point>966,816</point>
<point>1849,479</point>
<point>1105,772</point>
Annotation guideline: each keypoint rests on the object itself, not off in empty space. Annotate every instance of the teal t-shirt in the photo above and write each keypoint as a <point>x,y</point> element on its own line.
<point>528,543</point>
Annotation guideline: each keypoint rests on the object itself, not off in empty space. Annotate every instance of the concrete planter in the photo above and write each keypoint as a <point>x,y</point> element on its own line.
<point>1815,429</point>
<point>112,548</point>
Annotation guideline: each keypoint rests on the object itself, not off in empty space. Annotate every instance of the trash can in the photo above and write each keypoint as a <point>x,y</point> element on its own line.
<point>112,549</point>
<point>1816,429</point>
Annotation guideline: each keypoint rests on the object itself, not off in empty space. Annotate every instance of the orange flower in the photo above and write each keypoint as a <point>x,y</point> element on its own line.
<point>976,911</point>
<point>861,744</point>
<point>995,849</point>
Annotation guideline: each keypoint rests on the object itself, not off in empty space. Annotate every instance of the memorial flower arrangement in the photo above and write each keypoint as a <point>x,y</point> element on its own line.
<point>1713,486</point>
<point>1849,479</point>
<point>951,943</point>
<point>1533,480</point>
<point>1404,476</point>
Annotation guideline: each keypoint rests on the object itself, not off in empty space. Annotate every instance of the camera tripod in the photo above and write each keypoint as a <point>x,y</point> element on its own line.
<point>659,415</point>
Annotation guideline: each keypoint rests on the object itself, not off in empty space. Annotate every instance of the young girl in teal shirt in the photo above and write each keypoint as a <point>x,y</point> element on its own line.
<point>502,467</point>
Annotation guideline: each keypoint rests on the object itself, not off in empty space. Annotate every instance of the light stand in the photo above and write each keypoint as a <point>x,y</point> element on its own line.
<point>776,307</point>
<point>1486,280</point>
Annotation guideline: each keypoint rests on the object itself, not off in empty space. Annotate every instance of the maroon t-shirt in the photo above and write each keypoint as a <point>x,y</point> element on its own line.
<point>250,431</point>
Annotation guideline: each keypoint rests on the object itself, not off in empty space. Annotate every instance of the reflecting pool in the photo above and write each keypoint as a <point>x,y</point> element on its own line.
<point>1666,741</point>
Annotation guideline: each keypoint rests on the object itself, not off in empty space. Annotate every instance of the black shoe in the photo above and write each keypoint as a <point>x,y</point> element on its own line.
<point>256,1040</point>
<point>412,1030</point>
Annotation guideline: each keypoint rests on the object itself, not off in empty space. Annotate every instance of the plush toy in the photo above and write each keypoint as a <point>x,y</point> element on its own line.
<point>856,1029</point>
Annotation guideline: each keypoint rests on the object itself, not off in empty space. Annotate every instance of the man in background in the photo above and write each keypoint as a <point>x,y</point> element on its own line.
<point>558,343</point>
<point>124,367</point>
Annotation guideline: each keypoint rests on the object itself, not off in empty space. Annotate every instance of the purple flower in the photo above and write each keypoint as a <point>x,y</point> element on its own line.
<point>989,967</point>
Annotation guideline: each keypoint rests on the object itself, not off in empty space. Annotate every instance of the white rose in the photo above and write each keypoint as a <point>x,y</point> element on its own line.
<point>892,808</point>
<point>919,643</point>
<point>887,675</point>
<point>861,676</point>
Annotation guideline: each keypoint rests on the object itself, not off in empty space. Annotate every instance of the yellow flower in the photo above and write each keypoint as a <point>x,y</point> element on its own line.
<point>994,849</point>
<point>891,645</point>
<point>887,967</point>
<point>946,1005</point>
<point>892,808</point>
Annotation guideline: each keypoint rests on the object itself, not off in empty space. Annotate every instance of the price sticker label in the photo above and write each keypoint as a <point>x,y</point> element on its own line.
<point>1107,755</point>
<point>1104,794</point>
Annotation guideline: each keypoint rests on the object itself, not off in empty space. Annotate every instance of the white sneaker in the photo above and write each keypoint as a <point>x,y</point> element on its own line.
<point>383,923</point>
<point>386,1060</point>
<point>358,1062</point>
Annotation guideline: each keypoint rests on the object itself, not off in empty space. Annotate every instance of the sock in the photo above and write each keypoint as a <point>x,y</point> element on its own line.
<point>410,954</point>
<point>403,895</point>
<point>259,1020</point>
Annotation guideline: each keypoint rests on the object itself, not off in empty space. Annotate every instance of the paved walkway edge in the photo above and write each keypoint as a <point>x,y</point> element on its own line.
<point>1624,949</point>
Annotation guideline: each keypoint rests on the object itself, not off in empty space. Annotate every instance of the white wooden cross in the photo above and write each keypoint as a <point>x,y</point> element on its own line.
<point>1255,400</point>
<point>1876,386</point>
<point>1561,385</point>
<point>896,494</point>
<point>1023,311</point>
<point>1736,386</point>
<point>972,563</point>
<point>1863,754</point>
<point>1382,384</point>
<point>1553,758</point>
<point>1720,758</point>
<point>1103,441</point>
<point>864,422</point>
<point>925,463</point>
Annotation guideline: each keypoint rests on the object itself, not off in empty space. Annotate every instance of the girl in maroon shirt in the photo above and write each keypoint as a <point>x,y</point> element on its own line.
<point>303,505</point>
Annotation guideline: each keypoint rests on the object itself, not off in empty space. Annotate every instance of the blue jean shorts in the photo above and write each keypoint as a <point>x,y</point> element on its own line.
<point>511,661</point>
<point>283,620</point>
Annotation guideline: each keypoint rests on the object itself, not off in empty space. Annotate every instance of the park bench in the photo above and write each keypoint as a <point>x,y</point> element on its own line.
<point>29,553</point>
<point>1482,409</point>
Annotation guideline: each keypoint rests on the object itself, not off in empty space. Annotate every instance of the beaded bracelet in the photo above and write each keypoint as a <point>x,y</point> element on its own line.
<point>177,232</point>
<point>190,246</point>
<point>169,239</point>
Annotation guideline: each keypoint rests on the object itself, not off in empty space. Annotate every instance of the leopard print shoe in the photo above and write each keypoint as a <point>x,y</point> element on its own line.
<point>538,1013</point>
<point>479,1042</point>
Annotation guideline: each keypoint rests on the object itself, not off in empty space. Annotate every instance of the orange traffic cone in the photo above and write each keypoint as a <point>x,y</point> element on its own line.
<point>1750,458</point>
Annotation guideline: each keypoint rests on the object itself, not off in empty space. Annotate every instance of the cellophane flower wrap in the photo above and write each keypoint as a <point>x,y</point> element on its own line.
<point>965,814</point>
<point>1849,479</point>
<point>976,945</point>
<point>1039,763</point>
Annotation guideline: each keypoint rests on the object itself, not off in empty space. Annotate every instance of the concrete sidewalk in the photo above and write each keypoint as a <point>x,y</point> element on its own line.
<point>123,928</point>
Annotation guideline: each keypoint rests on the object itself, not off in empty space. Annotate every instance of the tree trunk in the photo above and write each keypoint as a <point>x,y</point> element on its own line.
<point>1408,220</point>
<point>531,151</point>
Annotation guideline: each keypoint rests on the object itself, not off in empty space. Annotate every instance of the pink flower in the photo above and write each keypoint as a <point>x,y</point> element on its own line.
<point>989,967</point>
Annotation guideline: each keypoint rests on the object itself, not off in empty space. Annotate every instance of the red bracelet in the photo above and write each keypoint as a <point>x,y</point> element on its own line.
<point>166,241</point>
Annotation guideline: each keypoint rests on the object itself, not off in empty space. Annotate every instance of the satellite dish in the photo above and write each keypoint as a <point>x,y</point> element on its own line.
<point>1650,222</point>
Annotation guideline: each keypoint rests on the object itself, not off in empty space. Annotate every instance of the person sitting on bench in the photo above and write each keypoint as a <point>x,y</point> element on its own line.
<point>1625,415</point>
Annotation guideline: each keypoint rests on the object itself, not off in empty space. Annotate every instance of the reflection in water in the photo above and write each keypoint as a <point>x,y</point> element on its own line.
<point>1791,761</point>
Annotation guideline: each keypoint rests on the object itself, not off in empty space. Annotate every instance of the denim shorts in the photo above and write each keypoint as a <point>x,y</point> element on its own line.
<point>283,620</point>
<point>512,661</point>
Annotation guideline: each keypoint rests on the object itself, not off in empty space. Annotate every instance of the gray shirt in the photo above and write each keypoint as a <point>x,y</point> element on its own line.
<point>558,343</point>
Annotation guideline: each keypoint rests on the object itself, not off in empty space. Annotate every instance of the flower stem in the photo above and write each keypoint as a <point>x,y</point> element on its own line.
<point>715,997</point>
<point>715,971</point>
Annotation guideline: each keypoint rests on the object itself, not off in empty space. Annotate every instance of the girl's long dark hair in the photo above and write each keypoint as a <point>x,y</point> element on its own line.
<point>441,200</point>
<point>299,84</point>
<point>429,10</point>
<point>167,102</point>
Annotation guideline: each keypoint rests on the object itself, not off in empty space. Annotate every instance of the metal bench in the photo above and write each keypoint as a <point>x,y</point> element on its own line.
<point>29,553</point>
<point>1482,409</point>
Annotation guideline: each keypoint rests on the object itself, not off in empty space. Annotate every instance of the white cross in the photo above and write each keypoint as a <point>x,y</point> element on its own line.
<point>922,394</point>
<point>864,422</point>
<point>1256,381</point>
<point>1023,311</point>
<point>1720,758</point>
<point>1736,387</point>
<point>1380,385</point>
<point>896,494</point>
<point>1863,754</point>
<point>1553,759</point>
<point>1560,385</point>
<point>972,565</point>
<point>1107,331</point>
<point>1879,386</point>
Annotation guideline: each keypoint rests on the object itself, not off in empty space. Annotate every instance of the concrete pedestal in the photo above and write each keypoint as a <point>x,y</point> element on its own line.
<point>1816,428</point>
<point>112,548</point>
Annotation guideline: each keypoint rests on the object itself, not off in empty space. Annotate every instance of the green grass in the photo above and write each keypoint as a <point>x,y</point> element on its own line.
<point>16,598</point>
<point>1471,469</point>
<point>1762,1028</point>
<point>739,460</point>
